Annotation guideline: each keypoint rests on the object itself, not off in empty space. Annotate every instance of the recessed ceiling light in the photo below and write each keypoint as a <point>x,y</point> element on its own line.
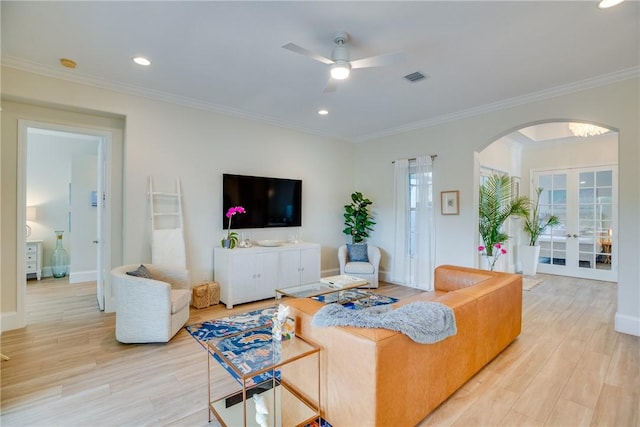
<point>323,112</point>
<point>140,60</point>
<point>605,4</point>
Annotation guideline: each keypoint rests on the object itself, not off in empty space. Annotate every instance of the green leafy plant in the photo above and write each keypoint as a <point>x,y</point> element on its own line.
<point>358,220</point>
<point>534,224</point>
<point>495,207</point>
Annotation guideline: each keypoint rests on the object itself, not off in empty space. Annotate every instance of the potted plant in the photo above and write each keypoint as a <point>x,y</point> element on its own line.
<point>495,207</point>
<point>358,220</point>
<point>534,225</point>
<point>231,240</point>
<point>358,223</point>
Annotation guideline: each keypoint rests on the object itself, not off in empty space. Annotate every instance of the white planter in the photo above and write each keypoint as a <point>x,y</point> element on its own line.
<point>529,259</point>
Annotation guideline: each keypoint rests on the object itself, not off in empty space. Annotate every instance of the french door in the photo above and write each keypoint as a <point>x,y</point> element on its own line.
<point>585,200</point>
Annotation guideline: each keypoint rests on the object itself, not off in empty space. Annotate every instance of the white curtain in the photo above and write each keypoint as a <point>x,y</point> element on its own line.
<point>414,250</point>
<point>401,264</point>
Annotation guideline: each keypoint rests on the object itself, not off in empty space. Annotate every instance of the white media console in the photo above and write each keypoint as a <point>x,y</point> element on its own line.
<point>252,274</point>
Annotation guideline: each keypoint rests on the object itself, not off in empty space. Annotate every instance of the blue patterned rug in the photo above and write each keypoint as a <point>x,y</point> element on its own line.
<point>261,318</point>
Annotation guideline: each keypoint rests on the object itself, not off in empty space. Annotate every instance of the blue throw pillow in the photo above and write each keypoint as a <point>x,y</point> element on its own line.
<point>357,252</point>
<point>141,271</point>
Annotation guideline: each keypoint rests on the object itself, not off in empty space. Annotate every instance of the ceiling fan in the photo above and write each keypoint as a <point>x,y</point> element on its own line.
<point>340,61</point>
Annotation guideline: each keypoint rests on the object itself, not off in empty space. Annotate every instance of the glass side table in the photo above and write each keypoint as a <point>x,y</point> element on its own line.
<point>266,367</point>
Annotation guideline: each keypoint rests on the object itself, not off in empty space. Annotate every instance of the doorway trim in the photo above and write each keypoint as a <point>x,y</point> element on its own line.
<point>104,189</point>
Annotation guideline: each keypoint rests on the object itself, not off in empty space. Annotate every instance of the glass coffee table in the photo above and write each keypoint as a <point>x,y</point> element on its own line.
<point>259,365</point>
<point>333,290</point>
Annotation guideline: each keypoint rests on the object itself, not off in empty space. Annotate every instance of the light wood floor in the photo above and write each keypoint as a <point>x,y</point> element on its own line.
<point>568,368</point>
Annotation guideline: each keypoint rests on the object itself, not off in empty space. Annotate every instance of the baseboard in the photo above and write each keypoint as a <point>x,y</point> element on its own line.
<point>627,324</point>
<point>83,276</point>
<point>10,321</point>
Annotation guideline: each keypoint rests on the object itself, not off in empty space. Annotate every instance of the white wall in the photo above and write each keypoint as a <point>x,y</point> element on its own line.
<point>615,105</point>
<point>593,151</point>
<point>167,140</point>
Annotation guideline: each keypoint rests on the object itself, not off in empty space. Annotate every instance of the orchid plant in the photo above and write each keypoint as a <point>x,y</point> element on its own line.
<point>492,256</point>
<point>232,237</point>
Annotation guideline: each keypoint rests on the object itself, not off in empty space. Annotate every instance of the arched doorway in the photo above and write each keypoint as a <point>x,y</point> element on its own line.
<point>577,168</point>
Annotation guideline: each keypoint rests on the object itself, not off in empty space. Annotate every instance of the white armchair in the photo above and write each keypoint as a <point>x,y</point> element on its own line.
<point>364,270</point>
<point>150,310</point>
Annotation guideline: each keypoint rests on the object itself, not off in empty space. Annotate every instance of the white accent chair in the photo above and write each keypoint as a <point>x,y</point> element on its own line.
<point>364,270</point>
<point>150,310</point>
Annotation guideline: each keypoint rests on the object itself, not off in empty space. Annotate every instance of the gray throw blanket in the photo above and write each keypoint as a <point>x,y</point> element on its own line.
<point>423,322</point>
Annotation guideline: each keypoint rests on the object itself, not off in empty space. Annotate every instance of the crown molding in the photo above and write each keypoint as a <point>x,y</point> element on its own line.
<point>77,77</point>
<point>87,80</point>
<point>602,80</point>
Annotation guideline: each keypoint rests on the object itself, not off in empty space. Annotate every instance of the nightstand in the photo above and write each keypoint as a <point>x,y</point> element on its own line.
<point>33,257</point>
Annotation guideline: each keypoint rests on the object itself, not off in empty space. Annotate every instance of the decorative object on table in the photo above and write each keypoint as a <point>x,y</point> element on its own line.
<point>534,225</point>
<point>269,243</point>
<point>231,240</point>
<point>358,220</point>
<point>205,295</point>
<point>496,205</point>
<point>450,202</point>
<point>261,410</point>
<point>245,241</point>
<point>489,261</point>
<point>283,327</point>
<point>59,257</point>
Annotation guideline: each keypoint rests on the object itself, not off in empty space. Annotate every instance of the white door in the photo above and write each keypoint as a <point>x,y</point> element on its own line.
<point>100,229</point>
<point>584,244</point>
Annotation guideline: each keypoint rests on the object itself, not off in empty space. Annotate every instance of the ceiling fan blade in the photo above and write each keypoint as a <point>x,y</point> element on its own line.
<point>302,51</point>
<point>331,86</point>
<point>380,60</point>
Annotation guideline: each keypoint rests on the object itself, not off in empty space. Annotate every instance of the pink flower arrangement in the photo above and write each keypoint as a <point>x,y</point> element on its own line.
<point>498,250</point>
<point>232,237</point>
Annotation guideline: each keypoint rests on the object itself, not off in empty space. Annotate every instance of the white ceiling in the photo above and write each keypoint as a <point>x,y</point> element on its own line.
<point>227,56</point>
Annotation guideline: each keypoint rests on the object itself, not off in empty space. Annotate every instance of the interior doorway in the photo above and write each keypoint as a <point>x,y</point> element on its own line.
<point>584,243</point>
<point>585,154</point>
<point>81,157</point>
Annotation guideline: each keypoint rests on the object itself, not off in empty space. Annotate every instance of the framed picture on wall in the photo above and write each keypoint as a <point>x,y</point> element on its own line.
<point>449,202</point>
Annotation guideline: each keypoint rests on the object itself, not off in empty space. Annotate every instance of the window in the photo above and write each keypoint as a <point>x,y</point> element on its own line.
<point>414,202</point>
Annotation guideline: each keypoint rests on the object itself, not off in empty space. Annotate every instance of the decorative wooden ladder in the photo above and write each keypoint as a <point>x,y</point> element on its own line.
<point>167,230</point>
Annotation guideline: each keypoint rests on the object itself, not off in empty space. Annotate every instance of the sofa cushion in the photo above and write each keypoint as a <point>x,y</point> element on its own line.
<point>141,271</point>
<point>179,299</point>
<point>357,252</point>
<point>359,268</point>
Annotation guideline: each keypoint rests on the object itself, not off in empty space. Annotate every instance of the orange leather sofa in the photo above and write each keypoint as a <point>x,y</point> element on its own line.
<point>378,377</point>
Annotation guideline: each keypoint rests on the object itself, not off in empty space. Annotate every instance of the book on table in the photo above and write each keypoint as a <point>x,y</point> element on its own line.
<point>343,280</point>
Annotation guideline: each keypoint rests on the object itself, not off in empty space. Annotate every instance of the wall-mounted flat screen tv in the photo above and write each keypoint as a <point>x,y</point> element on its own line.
<point>269,202</point>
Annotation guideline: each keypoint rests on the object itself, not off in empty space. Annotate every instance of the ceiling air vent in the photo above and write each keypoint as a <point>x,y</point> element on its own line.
<point>415,77</point>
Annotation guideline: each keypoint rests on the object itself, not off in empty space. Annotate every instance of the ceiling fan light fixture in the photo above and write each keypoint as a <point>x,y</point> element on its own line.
<point>141,60</point>
<point>340,70</point>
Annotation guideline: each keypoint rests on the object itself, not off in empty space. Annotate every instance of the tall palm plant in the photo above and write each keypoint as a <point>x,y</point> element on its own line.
<point>535,224</point>
<point>496,206</point>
